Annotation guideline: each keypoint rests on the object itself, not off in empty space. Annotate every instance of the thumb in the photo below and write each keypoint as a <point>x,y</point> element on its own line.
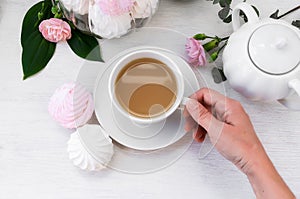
<point>200,114</point>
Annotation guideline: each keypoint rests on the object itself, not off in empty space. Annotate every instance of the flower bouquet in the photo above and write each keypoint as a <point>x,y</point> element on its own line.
<point>108,18</point>
<point>78,22</point>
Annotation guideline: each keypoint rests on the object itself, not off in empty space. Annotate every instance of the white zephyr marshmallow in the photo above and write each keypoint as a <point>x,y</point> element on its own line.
<point>71,105</point>
<point>92,153</point>
<point>144,8</point>
<point>108,26</point>
<point>77,6</point>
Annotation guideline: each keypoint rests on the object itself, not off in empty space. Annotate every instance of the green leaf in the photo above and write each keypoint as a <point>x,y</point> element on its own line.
<point>228,2</point>
<point>296,23</point>
<point>36,50</point>
<point>225,3</point>
<point>218,75</point>
<point>216,1</point>
<point>255,9</point>
<point>36,54</point>
<point>85,46</point>
<point>222,3</point>
<point>228,19</point>
<point>244,17</point>
<point>31,20</point>
<point>275,14</point>
<point>223,13</point>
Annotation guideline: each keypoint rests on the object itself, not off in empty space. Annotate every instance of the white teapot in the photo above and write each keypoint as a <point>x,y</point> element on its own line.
<point>262,58</point>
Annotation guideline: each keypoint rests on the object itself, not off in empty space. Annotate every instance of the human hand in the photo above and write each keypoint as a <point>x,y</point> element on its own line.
<point>227,125</point>
<point>231,132</point>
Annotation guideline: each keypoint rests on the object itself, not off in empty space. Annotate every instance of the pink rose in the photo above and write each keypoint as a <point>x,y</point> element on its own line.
<point>55,30</point>
<point>115,7</point>
<point>196,52</point>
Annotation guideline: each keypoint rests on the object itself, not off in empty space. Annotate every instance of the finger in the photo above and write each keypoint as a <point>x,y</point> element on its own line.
<point>223,108</point>
<point>201,115</point>
<point>185,113</point>
<point>208,96</point>
<point>199,134</point>
<point>233,112</point>
<point>190,124</point>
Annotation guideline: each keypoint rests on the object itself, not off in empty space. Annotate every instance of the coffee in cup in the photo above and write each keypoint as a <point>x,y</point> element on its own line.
<point>146,87</point>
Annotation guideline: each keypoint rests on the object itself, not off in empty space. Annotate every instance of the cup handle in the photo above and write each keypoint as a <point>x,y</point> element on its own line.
<point>249,12</point>
<point>183,103</point>
<point>293,103</point>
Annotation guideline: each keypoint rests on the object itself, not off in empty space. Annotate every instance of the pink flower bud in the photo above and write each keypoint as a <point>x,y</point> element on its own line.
<point>195,52</point>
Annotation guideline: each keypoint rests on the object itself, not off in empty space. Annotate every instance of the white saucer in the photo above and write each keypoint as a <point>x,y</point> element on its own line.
<point>132,135</point>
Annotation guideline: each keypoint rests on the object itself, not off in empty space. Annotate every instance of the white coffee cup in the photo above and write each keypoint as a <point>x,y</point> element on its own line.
<point>154,55</point>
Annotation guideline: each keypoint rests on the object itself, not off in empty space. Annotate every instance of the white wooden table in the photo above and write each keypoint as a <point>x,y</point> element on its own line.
<point>33,158</point>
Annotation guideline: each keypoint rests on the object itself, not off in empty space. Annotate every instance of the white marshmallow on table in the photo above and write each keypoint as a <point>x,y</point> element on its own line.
<point>71,105</point>
<point>90,148</point>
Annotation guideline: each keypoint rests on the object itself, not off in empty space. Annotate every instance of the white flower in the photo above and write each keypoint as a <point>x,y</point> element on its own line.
<point>108,26</point>
<point>144,8</point>
<point>77,6</point>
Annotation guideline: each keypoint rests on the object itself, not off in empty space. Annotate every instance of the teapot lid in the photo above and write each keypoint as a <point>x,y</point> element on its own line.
<point>274,48</point>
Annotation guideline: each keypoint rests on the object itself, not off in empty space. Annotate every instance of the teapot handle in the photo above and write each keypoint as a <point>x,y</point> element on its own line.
<point>249,12</point>
<point>293,103</point>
